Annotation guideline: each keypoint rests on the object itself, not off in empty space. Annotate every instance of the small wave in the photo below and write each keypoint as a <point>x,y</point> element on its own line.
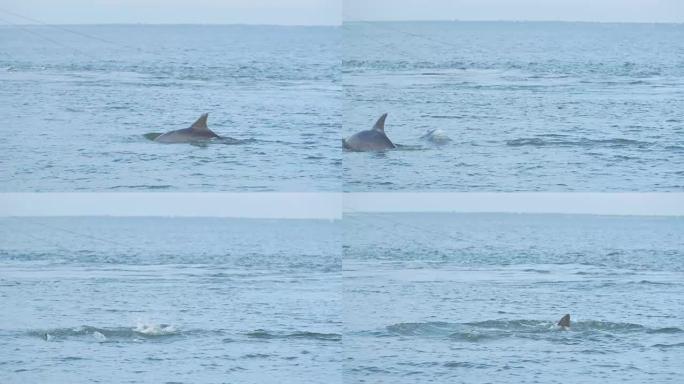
<point>496,329</point>
<point>536,326</point>
<point>418,329</point>
<point>263,334</point>
<point>473,336</point>
<point>233,141</point>
<point>582,142</point>
<point>403,65</point>
<point>405,147</point>
<point>155,329</point>
<point>90,333</point>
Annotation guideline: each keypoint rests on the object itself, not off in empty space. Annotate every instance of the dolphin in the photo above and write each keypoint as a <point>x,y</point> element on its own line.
<point>195,133</point>
<point>564,322</point>
<point>436,136</point>
<point>371,140</point>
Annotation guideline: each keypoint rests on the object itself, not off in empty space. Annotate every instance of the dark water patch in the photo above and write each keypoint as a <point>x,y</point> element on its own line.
<point>370,369</point>
<point>668,346</point>
<point>142,187</point>
<point>542,271</point>
<point>256,356</point>
<point>666,330</point>
<point>152,135</point>
<point>423,364</point>
<point>445,116</point>
<point>649,282</point>
<point>72,358</point>
<point>465,364</point>
<point>264,334</point>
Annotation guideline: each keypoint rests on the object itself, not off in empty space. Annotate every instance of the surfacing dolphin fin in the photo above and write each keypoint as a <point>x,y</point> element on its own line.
<point>564,321</point>
<point>201,124</point>
<point>380,124</point>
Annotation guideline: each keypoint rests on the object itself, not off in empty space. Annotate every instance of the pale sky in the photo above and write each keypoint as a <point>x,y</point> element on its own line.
<point>331,12</point>
<point>274,205</point>
<point>563,10</point>
<point>331,205</point>
<point>640,204</point>
<point>280,12</point>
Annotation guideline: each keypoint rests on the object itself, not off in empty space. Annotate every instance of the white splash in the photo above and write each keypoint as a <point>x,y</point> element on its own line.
<point>99,337</point>
<point>154,329</point>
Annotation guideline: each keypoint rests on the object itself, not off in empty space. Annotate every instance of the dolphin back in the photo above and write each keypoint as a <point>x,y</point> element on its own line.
<point>564,321</point>
<point>198,131</point>
<point>371,140</point>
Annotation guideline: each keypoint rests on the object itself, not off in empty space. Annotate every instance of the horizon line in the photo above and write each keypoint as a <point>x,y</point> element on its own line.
<point>456,20</point>
<point>351,213</point>
<point>168,24</point>
<point>248,24</point>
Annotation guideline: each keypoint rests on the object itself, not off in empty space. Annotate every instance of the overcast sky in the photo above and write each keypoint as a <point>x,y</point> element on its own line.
<point>282,12</point>
<point>330,12</point>
<point>330,205</point>
<point>566,10</point>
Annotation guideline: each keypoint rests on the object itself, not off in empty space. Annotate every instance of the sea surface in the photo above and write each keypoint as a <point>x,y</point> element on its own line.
<point>474,298</point>
<point>154,300</point>
<point>75,102</point>
<point>529,106</point>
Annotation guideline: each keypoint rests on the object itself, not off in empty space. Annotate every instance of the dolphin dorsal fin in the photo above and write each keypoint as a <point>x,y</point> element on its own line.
<point>564,321</point>
<point>201,123</point>
<point>380,124</point>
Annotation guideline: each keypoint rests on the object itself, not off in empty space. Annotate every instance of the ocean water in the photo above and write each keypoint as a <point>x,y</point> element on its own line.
<point>76,103</point>
<point>154,300</point>
<point>529,106</point>
<point>435,298</point>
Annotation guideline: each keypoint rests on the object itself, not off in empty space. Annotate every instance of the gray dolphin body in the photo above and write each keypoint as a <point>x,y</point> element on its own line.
<point>373,139</point>
<point>564,322</point>
<point>197,132</point>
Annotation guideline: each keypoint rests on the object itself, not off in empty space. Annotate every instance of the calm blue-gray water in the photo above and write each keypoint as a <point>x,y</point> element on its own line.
<point>474,298</point>
<point>152,300</point>
<point>528,106</point>
<point>76,103</point>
